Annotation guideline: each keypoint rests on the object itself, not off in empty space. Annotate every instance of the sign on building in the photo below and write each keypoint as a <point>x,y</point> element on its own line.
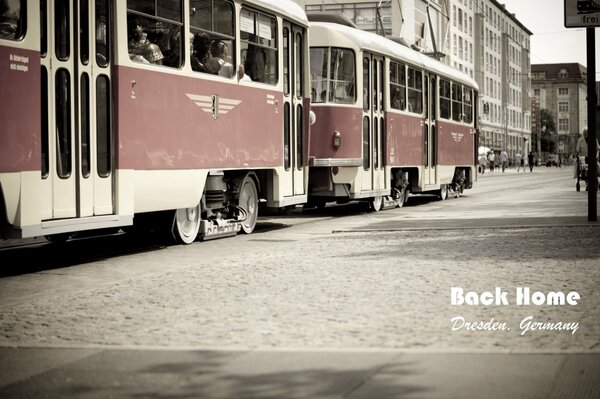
<point>582,13</point>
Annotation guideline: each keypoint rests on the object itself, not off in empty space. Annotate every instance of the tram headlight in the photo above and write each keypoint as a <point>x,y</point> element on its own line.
<point>337,140</point>
<point>312,117</point>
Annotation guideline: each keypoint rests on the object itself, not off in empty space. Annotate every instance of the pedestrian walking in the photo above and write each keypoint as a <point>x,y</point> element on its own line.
<point>491,160</point>
<point>504,160</point>
<point>482,163</point>
<point>518,160</point>
<point>530,160</point>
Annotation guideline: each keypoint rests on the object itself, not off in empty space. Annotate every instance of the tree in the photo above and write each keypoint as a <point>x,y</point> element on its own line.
<point>548,130</point>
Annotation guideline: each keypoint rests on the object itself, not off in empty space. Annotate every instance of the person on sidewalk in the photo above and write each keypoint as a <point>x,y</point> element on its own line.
<point>582,151</point>
<point>504,160</point>
<point>518,160</point>
<point>491,160</point>
<point>482,163</point>
<point>530,160</point>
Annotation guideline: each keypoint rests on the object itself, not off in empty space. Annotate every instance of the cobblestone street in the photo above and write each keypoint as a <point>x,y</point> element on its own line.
<point>365,286</point>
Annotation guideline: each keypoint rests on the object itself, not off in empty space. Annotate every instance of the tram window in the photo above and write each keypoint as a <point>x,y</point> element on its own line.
<point>445,99</point>
<point>212,25</point>
<point>456,102</point>
<point>287,151</point>
<point>375,88</point>
<point>342,76</point>
<point>62,30</point>
<point>13,18</point>
<point>299,67</point>
<point>84,32</point>
<point>397,86</point>
<point>85,125</point>
<point>468,105</point>
<point>259,46</point>
<point>102,33</point>
<point>155,32</point>
<point>366,143</point>
<point>299,136</point>
<point>63,123</point>
<point>43,28</point>
<point>415,91</point>
<point>286,61</point>
<point>319,57</point>
<point>366,85</point>
<point>44,127</point>
<point>103,126</point>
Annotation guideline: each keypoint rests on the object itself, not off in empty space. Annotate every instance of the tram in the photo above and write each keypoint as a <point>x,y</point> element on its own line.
<point>389,120</point>
<point>193,109</point>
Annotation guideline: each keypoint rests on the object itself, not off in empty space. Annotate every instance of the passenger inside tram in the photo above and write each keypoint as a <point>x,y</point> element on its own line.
<point>140,48</point>
<point>220,52</point>
<point>10,15</point>
<point>202,60</point>
<point>255,63</point>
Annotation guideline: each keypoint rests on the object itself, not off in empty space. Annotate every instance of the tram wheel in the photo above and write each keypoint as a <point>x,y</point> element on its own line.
<point>186,224</point>
<point>443,193</point>
<point>249,203</point>
<point>376,203</point>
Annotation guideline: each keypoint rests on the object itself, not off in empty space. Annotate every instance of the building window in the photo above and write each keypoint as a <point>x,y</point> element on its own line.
<point>563,74</point>
<point>563,125</point>
<point>563,91</point>
<point>536,92</point>
<point>563,106</point>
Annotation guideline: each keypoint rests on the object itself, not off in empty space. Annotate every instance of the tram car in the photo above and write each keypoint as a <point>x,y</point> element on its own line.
<point>389,120</point>
<point>192,110</point>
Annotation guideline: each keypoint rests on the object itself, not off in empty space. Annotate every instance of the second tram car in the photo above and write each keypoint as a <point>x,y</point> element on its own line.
<point>194,108</point>
<point>389,120</point>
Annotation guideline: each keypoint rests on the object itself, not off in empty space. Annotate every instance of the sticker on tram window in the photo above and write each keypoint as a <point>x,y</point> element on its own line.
<point>264,27</point>
<point>247,22</point>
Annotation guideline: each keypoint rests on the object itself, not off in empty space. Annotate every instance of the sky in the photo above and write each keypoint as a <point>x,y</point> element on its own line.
<point>551,42</point>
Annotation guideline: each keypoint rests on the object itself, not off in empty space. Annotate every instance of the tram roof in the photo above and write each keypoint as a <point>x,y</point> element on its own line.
<point>287,8</point>
<point>324,33</point>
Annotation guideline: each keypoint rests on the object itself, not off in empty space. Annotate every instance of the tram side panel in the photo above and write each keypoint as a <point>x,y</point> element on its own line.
<point>178,123</point>
<point>20,146</point>
<point>455,151</point>
<point>404,141</point>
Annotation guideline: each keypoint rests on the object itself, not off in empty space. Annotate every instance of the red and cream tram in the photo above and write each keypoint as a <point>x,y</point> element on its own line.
<point>115,109</point>
<point>389,120</point>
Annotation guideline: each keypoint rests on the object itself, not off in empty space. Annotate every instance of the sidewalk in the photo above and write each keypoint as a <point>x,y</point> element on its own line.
<point>121,373</point>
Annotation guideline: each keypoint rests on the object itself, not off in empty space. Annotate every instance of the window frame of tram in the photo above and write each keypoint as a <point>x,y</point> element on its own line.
<point>415,90</point>
<point>366,118</point>
<point>457,100</point>
<point>63,123</point>
<point>14,17</point>
<point>398,86</point>
<point>103,126</point>
<point>215,19</point>
<point>163,22</point>
<point>254,30</point>
<point>326,62</point>
<point>299,86</point>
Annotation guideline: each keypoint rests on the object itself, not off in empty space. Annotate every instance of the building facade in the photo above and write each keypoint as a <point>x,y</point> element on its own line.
<point>562,89</point>
<point>478,37</point>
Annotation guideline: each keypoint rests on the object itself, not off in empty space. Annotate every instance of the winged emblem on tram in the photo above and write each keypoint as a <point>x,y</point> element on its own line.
<point>214,104</point>
<point>457,136</point>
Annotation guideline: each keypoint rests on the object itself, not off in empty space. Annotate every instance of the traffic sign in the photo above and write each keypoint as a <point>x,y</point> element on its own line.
<point>582,13</point>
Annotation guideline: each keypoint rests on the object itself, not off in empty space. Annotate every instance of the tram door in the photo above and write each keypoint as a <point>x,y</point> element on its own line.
<point>77,155</point>
<point>430,129</point>
<point>373,174</point>
<point>293,110</point>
